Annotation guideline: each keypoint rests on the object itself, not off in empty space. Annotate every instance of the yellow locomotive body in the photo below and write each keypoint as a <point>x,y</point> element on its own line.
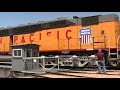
<point>103,35</point>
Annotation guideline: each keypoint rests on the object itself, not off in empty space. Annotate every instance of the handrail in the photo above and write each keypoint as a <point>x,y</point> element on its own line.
<point>104,42</point>
<point>117,45</point>
<point>109,45</point>
<point>108,48</point>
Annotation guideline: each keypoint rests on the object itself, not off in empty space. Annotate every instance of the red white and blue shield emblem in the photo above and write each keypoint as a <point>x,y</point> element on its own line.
<point>85,35</point>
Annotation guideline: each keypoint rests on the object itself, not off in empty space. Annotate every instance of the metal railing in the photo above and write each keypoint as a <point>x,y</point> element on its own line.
<point>43,63</point>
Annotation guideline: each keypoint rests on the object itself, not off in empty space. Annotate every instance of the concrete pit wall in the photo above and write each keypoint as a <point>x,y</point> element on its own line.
<point>4,72</point>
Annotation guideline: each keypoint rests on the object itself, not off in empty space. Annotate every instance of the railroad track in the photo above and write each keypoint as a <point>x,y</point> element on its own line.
<point>56,75</point>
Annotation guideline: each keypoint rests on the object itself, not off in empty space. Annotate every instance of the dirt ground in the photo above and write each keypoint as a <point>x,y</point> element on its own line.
<point>80,74</point>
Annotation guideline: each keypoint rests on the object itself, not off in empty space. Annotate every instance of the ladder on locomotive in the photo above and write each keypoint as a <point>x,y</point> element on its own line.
<point>116,51</point>
<point>114,55</point>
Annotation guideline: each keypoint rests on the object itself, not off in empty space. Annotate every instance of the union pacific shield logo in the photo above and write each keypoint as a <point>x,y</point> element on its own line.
<point>85,35</point>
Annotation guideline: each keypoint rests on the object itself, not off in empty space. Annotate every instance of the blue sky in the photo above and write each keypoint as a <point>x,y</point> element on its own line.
<point>16,18</point>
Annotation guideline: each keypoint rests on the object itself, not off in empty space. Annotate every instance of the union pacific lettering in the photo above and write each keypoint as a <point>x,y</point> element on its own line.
<point>31,38</point>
